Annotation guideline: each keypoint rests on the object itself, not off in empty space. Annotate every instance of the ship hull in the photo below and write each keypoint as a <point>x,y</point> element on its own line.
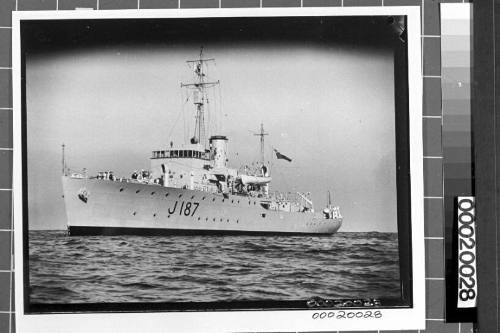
<point>105,207</point>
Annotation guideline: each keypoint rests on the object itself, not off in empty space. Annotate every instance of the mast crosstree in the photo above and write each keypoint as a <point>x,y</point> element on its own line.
<point>200,95</point>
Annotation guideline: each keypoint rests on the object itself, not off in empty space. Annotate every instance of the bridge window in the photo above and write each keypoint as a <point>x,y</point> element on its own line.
<point>190,153</point>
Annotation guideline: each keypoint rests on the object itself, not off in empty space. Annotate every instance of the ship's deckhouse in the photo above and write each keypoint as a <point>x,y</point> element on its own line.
<point>180,160</point>
<point>191,166</point>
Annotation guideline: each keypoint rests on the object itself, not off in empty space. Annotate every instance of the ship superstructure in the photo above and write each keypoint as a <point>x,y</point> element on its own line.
<point>191,189</point>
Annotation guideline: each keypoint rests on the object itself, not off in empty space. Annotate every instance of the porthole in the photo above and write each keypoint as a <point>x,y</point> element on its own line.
<point>221,220</point>
<point>152,193</point>
<point>227,220</point>
<point>213,199</point>
<point>192,197</point>
<point>154,215</point>
<point>222,200</point>
<point>202,198</point>
<point>168,216</point>
<point>180,195</point>
<point>137,191</point>
<point>263,214</point>
<point>232,201</point>
<point>166,195</point>
<point>121,190</point>
<point>206,218</point>
<point>214,219</point>
<point>134,213</point>
<point>199,218</point>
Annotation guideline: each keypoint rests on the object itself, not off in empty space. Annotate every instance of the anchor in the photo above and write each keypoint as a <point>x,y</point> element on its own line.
<point>83,195</point>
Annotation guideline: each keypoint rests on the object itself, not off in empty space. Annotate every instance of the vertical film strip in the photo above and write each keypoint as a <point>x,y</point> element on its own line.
<point>458,169</point>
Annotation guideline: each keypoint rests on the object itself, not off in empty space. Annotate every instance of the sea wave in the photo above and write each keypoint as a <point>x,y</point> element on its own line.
<point>65,269</point>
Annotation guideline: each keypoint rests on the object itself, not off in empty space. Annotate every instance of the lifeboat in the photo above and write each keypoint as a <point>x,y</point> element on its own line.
<point>254,180</point>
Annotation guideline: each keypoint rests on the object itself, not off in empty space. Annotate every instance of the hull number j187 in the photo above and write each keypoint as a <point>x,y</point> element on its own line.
<point>186,208</point>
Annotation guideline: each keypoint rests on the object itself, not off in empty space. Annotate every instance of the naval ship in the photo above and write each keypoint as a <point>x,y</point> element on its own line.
<point>191,190</point>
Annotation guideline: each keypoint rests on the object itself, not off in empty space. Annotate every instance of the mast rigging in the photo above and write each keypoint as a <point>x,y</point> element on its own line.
<point>200,96</point>
<point>261,134</point>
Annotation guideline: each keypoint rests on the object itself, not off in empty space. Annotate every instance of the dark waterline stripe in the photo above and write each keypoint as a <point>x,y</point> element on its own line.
<point>115,231</point>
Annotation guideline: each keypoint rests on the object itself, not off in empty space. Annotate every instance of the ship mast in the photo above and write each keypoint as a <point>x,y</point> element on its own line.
<point>200,96</point>
<point>63,160</point>
<point>261,134</point>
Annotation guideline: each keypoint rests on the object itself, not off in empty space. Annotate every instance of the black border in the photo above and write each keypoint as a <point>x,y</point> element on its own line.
<point>403,184</point>
<point>486,134</point>
<point>403,202</point>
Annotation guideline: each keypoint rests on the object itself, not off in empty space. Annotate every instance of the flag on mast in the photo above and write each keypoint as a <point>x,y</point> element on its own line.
<point>280,156</point>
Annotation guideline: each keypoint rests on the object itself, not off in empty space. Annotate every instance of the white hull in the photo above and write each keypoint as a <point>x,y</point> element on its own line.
<point>111,207</point>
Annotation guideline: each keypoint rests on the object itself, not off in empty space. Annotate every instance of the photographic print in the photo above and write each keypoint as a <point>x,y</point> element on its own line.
<point>223,163</point>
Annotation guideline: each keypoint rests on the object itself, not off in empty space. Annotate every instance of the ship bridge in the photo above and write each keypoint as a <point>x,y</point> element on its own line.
<point>181,162</point>
<point>181,153</point>
<point>196,151</point>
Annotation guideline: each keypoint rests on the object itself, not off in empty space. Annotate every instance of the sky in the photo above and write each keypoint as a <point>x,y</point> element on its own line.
<point>327,104</point>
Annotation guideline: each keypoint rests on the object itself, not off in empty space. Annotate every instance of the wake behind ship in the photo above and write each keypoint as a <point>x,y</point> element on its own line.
<point>191,190</point>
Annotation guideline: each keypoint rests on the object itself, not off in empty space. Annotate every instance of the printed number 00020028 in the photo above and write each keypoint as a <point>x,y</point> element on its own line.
<point>347,314</point>
<point>466,252</point>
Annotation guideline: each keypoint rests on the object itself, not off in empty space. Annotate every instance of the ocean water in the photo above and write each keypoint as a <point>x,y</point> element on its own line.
<point>85,269</point>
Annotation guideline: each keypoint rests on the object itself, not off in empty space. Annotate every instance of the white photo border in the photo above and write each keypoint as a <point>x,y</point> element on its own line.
<point>232,321</point>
